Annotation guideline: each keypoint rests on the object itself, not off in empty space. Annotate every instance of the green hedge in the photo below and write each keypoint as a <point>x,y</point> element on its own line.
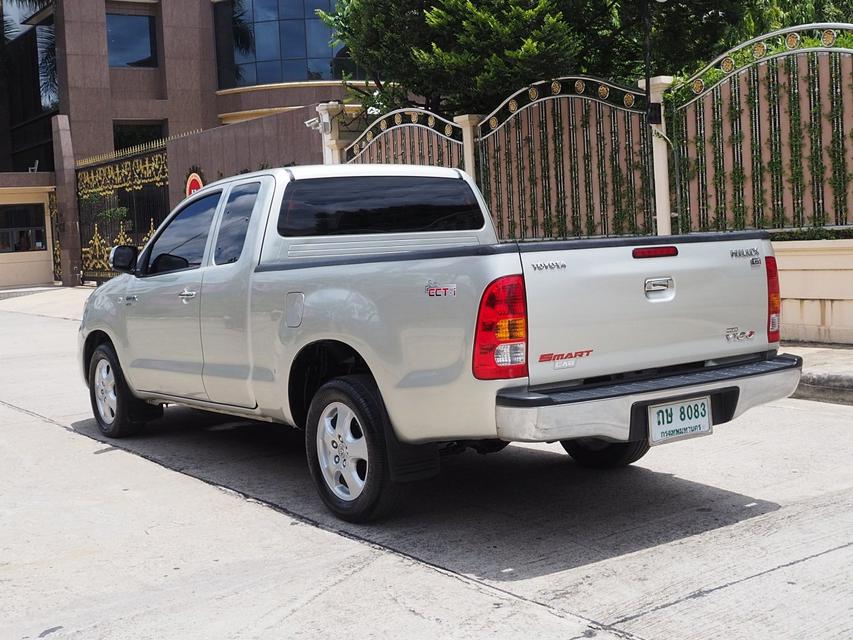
<point>813,233</point>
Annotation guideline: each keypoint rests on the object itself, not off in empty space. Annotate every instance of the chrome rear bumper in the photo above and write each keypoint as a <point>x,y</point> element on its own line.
<point>617,411</point>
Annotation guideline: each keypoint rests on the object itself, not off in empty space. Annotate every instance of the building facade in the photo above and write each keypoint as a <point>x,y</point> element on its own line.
<point>124,73</point>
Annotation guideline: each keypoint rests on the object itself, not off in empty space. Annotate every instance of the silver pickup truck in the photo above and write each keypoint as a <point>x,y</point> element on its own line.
<point>373,307</point>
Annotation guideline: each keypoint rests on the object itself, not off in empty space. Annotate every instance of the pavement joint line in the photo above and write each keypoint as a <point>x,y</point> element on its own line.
<point>38,315</point>
<point>38,415</point>
<point>700,593</point>
<point>478,584</point>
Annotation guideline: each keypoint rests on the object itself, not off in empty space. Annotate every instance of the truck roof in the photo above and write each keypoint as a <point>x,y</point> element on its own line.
<point>353,170</point>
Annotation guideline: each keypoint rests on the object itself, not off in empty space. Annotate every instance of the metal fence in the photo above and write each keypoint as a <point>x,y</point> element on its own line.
<point>568,157</point>
<point>763,136</point>
<point>409,136</point>
<point>760,138</point>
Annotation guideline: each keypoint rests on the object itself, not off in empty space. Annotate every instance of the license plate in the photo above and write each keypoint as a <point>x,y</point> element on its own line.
<point>679,420</point>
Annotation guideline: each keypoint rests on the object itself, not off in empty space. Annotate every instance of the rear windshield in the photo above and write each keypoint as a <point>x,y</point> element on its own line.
<point>377,204</point>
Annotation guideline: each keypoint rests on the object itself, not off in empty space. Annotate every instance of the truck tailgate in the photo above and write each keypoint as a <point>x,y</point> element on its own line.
<point>596,310</point>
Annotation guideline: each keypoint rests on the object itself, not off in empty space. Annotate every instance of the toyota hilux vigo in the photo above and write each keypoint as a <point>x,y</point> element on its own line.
<point>373,307</point>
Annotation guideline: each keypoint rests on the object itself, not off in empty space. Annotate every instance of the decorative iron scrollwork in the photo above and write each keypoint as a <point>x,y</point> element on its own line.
<point>130,175</point>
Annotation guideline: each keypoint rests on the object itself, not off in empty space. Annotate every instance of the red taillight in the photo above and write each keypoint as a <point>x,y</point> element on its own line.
<point>774,300</point>
<point>500,338</point>
<point>655,252</point>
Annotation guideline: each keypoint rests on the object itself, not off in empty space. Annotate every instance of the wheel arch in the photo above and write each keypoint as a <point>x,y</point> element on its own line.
<point>316,363</point>
<point>95,339</point>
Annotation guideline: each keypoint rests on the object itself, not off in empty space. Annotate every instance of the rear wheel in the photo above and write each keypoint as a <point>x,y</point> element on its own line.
<point>117,411</point>
<point>345,443</point>
<point>596,453</point>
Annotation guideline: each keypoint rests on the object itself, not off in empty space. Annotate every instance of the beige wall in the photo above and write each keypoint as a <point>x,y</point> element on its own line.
<point>30,267</point>
<point>816,280</point>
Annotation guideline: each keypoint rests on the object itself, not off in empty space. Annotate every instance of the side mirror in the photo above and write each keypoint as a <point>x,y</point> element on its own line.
<point>123,258</point>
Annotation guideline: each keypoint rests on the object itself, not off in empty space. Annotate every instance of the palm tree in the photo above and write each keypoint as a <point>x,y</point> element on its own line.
<point>45,45</point>
<point>10,30</point>
<point>48,76</point>
<point>241,32</point>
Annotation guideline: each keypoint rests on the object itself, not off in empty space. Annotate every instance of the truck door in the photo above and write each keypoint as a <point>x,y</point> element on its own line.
<point>163,304</point>
<point>225,302</point>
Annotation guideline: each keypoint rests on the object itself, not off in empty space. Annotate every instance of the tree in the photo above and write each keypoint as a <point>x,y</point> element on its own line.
<point>381,36</point>
<point>463,55</point>
<point>10,30</point>
<point>768,15</point>
<point>478,51</point>
<point>466,56</point>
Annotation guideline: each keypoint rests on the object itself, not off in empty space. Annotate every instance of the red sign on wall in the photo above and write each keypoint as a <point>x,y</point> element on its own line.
<point>194,183</point>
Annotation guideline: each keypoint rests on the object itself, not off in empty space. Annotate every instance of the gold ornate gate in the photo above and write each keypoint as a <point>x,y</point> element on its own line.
<point>121,200</point>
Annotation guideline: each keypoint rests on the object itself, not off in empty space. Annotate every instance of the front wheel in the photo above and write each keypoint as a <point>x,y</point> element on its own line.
<point>345,443</point>
<point>596,453</point>
<point>117,411</point>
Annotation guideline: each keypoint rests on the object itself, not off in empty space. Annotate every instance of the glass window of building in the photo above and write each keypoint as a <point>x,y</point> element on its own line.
<point>28,64</point>
<point>269,41</point>
<point>131,134</point>
<point>131,40</point>
<point>22,228</point>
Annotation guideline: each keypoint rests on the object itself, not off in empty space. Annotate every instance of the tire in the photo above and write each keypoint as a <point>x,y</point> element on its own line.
<point>117,411</point>
<point>595,453</point>
<point>341,455</point>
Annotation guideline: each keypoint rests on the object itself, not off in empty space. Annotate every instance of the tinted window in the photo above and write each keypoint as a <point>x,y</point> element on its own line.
<point>381,204</point>
<point>130,41</point>
<point>235,223</point>
<point>22,228</point>
<point>181,245</point>
<point>130,135</point>
<point>268,41</point>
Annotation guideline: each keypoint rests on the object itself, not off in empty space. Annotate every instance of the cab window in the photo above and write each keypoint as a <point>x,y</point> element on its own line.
<point>181,244</point>
<point>378,204</point>
<point>235,223</point>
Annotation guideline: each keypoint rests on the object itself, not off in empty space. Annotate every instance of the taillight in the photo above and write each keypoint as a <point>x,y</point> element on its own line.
<point>500,338</point>
<point>774,300</point>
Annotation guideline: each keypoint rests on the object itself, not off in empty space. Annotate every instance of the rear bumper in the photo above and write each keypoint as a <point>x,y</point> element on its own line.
<point>617,412</point>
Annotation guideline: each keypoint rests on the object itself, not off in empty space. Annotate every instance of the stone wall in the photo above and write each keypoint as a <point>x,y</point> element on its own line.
<point>273,141</point>
<point>816,281</point>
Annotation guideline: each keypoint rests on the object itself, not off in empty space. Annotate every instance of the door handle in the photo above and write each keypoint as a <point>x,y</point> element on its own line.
<point>129,300</point>
<point>186,295</point>
<point>659,284</point>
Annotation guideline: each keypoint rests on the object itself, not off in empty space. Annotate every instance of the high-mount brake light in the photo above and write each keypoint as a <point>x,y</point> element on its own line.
<point>655,252</point>
<point>500,337</point>
<point>774,300</point>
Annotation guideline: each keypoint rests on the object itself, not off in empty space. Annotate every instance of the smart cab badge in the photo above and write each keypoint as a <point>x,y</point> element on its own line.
<point>435,290</point>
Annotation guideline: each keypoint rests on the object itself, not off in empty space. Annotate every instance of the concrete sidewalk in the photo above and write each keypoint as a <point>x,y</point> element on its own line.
<point>827,369</point>
<point>827,372</point>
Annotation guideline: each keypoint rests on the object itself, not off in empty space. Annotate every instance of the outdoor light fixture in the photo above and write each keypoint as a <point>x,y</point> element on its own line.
<point>653,111</point>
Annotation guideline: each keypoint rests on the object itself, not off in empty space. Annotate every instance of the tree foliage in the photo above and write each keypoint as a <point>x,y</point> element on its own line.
<point>478,50</point>
<point>466,56</point>
<point>768,15</point>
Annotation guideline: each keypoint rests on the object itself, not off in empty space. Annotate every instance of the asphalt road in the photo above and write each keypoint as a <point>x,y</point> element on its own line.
<point>208,527</point>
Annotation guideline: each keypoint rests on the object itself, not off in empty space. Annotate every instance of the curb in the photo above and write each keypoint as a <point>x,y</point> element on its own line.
<point>825,387</point>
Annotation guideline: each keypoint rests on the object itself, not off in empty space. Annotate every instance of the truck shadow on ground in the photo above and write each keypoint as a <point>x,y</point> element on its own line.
<point>507,516</point>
